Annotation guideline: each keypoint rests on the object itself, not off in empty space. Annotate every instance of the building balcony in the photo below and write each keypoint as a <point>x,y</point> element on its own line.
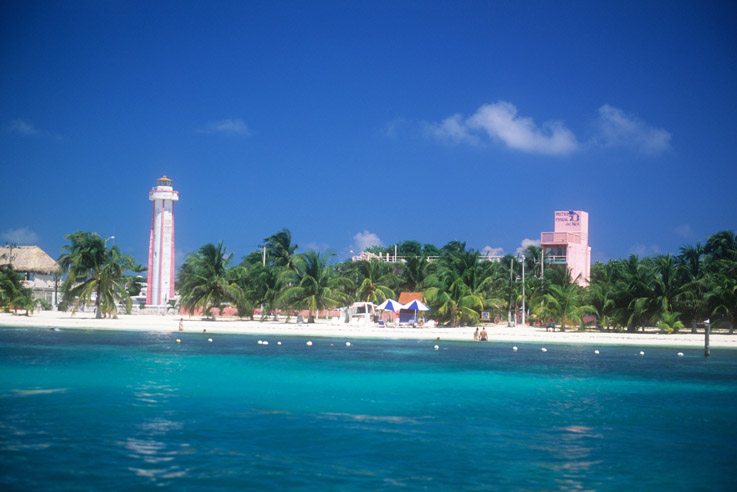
<point>556,260</point>
<point>552,238</point>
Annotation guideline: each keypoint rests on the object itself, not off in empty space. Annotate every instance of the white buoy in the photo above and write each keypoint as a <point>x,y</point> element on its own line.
<point>209,340</point>
<point>278,343</point>
<point>514,348</point>
<point>437,347</point>
<point>347,344</point>
<point>260,342</point>
<point>642,353</point>
<point>544,349</point>
<point>596,352</point>
<point>309,343</point>
<point>179,341</point>
<point>266,342</point>
<point>680,354</point>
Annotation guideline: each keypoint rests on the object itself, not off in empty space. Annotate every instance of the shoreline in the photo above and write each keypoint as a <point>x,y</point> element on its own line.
<point>497,333</point>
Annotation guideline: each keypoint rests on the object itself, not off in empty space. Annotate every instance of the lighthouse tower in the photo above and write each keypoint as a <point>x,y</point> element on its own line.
<point>161,244</point>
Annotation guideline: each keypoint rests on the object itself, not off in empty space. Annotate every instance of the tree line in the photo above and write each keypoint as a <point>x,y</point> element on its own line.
<point>459,284</point>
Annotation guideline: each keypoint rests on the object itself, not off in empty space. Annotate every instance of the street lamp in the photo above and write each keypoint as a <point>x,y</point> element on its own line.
<point>108,239</point>
<point>263,246</point>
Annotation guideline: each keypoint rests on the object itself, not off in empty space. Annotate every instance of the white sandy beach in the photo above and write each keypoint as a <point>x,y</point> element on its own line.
<point>497,333</point>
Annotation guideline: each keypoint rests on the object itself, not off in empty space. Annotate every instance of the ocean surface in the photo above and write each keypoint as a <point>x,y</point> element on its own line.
<point>94,410</point>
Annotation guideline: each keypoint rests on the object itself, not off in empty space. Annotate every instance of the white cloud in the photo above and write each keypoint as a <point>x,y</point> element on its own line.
<point>21,236</point>
<point>617,129</point>
<point>489,251</point>
<point>684,230</point>
<point>22,128</point>
<point>366,239</point>
<point>527,242</point>
<point>642,250</point>
<point>393,128</point>
<point>227,127</point>
<point>319,247</point>
<point>452,129</point>
<point>501,121</point>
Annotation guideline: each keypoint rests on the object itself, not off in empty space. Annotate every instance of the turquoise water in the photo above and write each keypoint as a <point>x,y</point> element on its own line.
<point>83,410</point>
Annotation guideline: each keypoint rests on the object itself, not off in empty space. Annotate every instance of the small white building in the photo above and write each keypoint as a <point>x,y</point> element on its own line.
<point>40,272</point>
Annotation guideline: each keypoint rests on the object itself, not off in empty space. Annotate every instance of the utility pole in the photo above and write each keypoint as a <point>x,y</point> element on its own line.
<point>11,246</point>
<point>511,286</point>
<point>523,290</point>
<point>707,350</point>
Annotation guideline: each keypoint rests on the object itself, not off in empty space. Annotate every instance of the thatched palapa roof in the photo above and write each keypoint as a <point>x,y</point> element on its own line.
<point>407,297</point>
<point>28,259</point>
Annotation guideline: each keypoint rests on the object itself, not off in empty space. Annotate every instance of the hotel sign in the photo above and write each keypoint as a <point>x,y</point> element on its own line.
<point>567,220</point>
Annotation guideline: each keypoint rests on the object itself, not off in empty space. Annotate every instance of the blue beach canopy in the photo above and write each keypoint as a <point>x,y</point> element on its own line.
<point>390,305</point>
<point>416,306</point>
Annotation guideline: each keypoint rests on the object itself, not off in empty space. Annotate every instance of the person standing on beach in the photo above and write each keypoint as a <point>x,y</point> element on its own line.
<point>484,335</point>
<point>476,335</point>
<point>181,324</point>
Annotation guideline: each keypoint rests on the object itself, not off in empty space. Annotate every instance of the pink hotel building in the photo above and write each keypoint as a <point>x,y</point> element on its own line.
<point>569,244</point>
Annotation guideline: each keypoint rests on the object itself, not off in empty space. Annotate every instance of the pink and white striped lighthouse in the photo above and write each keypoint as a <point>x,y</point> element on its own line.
<point>161,244</point>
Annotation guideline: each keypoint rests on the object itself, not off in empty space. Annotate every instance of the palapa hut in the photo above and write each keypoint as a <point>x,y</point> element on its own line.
<point>409,315</point>
<point>40,271</point>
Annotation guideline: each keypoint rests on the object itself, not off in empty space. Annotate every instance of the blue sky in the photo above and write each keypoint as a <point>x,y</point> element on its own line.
<point>352,123</point>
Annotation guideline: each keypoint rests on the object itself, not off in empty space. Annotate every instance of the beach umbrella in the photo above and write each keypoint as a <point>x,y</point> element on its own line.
<point>416,306</point>
<point>390,305</point>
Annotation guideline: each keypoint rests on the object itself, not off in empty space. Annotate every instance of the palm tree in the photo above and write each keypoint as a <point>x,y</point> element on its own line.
<point>262,285</point>
<point>206,281</point>
<point>600,293</point>
<point>632,293</point>
<point>279,249</point>
<point>664,277</point>
<point>13,295</point>
<point>565,304</point>
<point>669,322</point>
<point>413,273</point>
<point>721,276</point>
<point>690,298</point>
<point>314,285</point>
<point>722,298</point>
<point>460,288</point>
<point>91,268</point>
<point>376,279</point>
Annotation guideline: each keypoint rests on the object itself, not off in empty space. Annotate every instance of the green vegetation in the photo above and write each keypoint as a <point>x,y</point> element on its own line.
<point>94,271</point>
<point>459,284</point>
<point>206,281</point>
<point>13,295</point>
